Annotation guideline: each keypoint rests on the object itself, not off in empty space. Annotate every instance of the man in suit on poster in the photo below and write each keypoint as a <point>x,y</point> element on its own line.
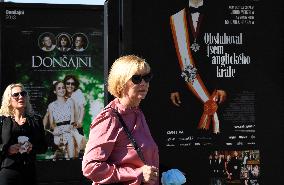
<point>80,42</point>
<point>47,42</point>
<point>188,27</point>
<point>234,166</point>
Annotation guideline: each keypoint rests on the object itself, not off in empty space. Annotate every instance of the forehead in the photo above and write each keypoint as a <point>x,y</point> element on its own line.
<point>60,85</point>
<point>16,89</point>
<point>46,38</point>
<point>70,80</point>
<point>142,71</point>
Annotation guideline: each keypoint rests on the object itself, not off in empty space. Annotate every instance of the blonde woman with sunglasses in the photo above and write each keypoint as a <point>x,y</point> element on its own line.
<point>21,137</point>
<point>111,157</point>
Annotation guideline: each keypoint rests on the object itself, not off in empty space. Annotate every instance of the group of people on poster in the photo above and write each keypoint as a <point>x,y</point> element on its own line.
<point>63,42</point>
<point>64,117</point>
<point>233,167</point>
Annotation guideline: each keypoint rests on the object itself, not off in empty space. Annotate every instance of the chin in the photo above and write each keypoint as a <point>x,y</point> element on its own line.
<point>21,106</point>
<point>142,97</point>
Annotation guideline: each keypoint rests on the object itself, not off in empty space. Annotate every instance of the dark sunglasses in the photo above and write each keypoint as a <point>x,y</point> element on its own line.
<point>70,83</point>
<point>137,79</point>
<point>16,95</point>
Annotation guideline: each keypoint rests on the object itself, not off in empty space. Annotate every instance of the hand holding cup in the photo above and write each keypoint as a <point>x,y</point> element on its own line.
<point>25,145</point>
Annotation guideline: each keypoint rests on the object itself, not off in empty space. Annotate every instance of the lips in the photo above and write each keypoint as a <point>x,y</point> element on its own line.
<point>69,89</point>
<point>21,101</point>
<point>142,90</point>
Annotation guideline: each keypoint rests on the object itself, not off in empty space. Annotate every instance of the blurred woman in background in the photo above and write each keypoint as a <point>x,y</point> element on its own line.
<point>22,137</point>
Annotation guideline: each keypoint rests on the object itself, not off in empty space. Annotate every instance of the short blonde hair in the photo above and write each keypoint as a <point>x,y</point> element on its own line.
<point>122,70</point>
<point>6,108</point>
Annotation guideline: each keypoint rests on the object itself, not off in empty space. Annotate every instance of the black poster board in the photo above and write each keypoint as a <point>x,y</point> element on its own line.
<point>25,59</point>
<point>248,69</point>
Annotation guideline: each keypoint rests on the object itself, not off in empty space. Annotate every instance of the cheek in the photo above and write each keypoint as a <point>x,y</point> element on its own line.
<point>128,90</point>
<point>13,103</point>
<point>134,90</point>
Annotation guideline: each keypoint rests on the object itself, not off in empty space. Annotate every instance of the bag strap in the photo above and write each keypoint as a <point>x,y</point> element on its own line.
<point>1,124</point>
<point>130,137</point>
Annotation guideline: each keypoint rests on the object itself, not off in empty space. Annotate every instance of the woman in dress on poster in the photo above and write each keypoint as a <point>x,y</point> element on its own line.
<point>75,93</point>
<point>61,118</point>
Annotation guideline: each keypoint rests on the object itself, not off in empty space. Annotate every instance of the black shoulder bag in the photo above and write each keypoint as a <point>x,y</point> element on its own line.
<point>130,137</point>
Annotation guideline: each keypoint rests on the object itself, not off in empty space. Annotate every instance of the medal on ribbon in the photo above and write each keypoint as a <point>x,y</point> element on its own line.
<point>195,46</point>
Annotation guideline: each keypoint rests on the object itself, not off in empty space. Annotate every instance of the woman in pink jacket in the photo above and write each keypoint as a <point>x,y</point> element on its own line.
<point>110,156</point>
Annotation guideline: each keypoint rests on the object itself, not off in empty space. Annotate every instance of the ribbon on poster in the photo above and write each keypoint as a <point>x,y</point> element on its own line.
<point>189,72</point>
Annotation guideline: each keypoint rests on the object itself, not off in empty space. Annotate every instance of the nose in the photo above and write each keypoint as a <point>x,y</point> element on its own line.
<point>20,96</point>
<point>144,83</point>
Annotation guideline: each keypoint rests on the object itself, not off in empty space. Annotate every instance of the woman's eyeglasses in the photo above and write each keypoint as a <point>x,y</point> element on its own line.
<point>17,94</point>
<point>137,79</point>
<point>70,83</point>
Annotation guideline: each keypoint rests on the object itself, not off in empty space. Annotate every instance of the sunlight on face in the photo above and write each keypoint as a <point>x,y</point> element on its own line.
<point>70,85</point>
<point>60,90</point>
<point>18,102</point>
<point>136,92</point>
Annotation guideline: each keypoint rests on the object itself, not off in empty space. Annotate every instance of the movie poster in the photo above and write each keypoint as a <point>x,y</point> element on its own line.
<point>208,59</point>
<point>62,70</point>
<point>212,89</point>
